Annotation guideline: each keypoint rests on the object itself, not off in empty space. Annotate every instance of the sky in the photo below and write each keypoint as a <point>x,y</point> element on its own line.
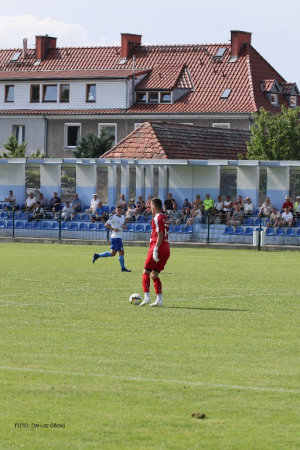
<point>274,27</point>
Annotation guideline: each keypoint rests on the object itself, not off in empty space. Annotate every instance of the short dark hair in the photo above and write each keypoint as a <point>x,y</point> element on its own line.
<point>157,202</point>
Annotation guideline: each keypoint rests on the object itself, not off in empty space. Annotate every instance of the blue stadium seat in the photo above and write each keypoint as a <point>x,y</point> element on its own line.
<point>239,231</point>
<point>19,224</point>
<point>21,216</point>
<point>64,225</point>
<point>46,225</point>
<point>279,232</point>
<point>85,217</point>
<point>22,206</point>
<point>147,228</point>
<point>55,225</point>
<point>228,230</point>
<point>73,226</point>
<point>27,225</point>
<point>129,227</point>
<point>257,222</point>
<point>76,217</point>
<point>82,226</point>
<point>2,223</point>
<point>105,208</point>
<point>187,229</point>
<point>256,211</point>
<point>298,223</point>
<point>36,225</point>
<point>92,227</point>
<point>4,215</point>
<point>298,232</point>
<point>270,232</point>
<point>290,232</point>
<point>177,229</point>
<point>148,218</point>
<point>140,219</point>
<point>249,231</point>
<point>85,207</point>
<point>170,228</point>
<point>9,224</point>
<point>139,228</point>
<point>249,221</point>
<point>112,208</point>
<point>101,227</point>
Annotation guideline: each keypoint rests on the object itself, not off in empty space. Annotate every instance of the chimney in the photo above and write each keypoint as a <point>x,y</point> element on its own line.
<point>128,41</point>
<point>25,47</point>
<point>238,39</point>
<point>43,44</point>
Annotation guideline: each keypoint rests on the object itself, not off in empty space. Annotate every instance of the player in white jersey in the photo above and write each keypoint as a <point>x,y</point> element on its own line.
<point>116,224</point>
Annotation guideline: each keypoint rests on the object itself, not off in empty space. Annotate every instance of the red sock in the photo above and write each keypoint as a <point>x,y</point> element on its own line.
<point>146,282</point>
<point>157,285</point>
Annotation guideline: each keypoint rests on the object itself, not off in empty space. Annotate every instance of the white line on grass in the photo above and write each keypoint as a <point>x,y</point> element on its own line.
<point>155,380</point>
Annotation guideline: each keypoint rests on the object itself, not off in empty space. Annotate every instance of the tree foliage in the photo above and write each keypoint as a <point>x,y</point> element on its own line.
<point>275,137</point>
<point>91,146</point>
<point>14,150</point>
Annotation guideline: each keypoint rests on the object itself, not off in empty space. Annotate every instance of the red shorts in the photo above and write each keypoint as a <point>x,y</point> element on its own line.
<point>163,255</point>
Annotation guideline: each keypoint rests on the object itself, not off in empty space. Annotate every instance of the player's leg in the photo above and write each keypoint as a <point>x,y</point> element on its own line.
<point>146,287</point>
<point>104,254</point>
<point>157,288</point>
<point>120,249</point>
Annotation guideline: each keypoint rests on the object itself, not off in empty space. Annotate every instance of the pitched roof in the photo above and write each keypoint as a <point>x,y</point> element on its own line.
<point>181,66</point>
<point>163,140</point>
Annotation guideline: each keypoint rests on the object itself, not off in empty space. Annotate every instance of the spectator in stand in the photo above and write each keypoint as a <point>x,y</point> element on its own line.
<point>123,203</point>
<point>30,202</point>
<point>76,205</point>
<point>208,205</point>
<point>197,204</point>
<point>93,205</point>
<point>227,208</point>
<point>217,210</point>
<point>11,200</point>
<point>131,211</point>
<point>176,216</point>
<point>196,216</point>
<point>297,207</point>
<point>248,207</point>
<point>100,215</point>
<point>37,212</point>
<point>237,216</point>
<point>240,202</point>
<point>168,205</point>
<point>42,200</point>
<point>286,218</point>
<point>66,212</point>
<point>140,206</point>
<point>186,208</point>
<point>148,206</point>
<point>266,208</point>
<point>54,204</point>
<point>275,218</point>
<point>288,204</point>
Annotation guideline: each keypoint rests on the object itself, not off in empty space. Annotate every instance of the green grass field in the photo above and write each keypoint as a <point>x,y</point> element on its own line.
<point>73,351</point>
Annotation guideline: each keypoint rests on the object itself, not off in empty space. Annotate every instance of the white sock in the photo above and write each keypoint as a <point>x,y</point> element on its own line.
<point>159,297</point>
<point>147,296</point>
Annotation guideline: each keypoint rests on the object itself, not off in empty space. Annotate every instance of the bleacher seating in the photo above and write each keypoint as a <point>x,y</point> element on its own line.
<point>73,226</point>
<point>101,227</point>
<point>55,225</point>
<point>82,226</point>
<point>147,228</point>
<point>270,232</point>
<point>139,228</point>
<point>238,231</point>
<point>92,227</point>
<point>279,232</point>
<point>187,229</point>
<point>290,232</point>
<point>46,225</point>
<point>249,231</point>
<point>228,230</point>
<point>36,225</point>
<point>249,221</point>
<point>85,217</point>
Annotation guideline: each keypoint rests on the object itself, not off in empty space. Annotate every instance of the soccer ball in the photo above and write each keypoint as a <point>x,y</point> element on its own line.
<point>135,299</point>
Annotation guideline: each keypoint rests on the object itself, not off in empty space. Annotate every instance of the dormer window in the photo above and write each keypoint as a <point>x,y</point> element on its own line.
<point>293,101</point>
<point>141,97</point>
<point>153,97</point>
<point>274,99</point>
<point>165,97</point>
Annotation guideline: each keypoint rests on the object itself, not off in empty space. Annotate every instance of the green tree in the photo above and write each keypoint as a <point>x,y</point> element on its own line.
<point>91,146</point>
<point>14,150</point>
<point>275,136</point>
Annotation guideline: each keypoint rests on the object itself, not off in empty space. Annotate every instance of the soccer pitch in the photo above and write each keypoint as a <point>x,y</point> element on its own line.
<point>81,368</point>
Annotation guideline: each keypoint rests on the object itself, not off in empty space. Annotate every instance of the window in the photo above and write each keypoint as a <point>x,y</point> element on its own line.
<point>293,100</point>
<point>165,97</point>
<point>141,97</point>
<point>64,93</point>
<point>274,99</point>
<point>35,93</point>
<point>72,134</point>
<point>9,93</point>
<point>137,125</point>
<point>110,130</point>
<point>221,125</point>
<point>226,93</point>
<point>19,133</point>
<point>50,93</point>
<point>153,97</point>
<point>90,92</point>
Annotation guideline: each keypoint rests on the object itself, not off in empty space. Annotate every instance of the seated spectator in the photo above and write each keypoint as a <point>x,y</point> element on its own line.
<point>266,208</point>
<point>288,204</point>
<point>123,203</point>
<point>93,205</point>
<point>208,205</point>
<point>186,208</point>
<point>100,214</point>
<point>11,199</point>
<point>227,208</point>
<point>197,203</point>
<point>286,218</point>
<point>37,212</point>
<point>237,216</point>
<point>42,201</point>
<point>130,214</point>
<point>30,202</point>
<point>140,205</point>
<point>248,207</point>
<point>297,207</point>
<point>54,204</point>
<point>76,205</point>
<point>217,210</point>
<point>275,218</point>
<point>196,216</point>
<point>148,206</point>
<point>168,204</point>
<point>66,211</point>
<point>240,202</point>
<point>176,215</point>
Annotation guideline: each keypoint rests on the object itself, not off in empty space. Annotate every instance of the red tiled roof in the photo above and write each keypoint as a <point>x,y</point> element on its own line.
<point>208,75</point>
<point>266,85</point>
<point>163,140</point>
<point>70,74</point>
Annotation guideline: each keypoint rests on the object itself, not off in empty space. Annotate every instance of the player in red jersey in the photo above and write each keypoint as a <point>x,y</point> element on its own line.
<point>158,253</point>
